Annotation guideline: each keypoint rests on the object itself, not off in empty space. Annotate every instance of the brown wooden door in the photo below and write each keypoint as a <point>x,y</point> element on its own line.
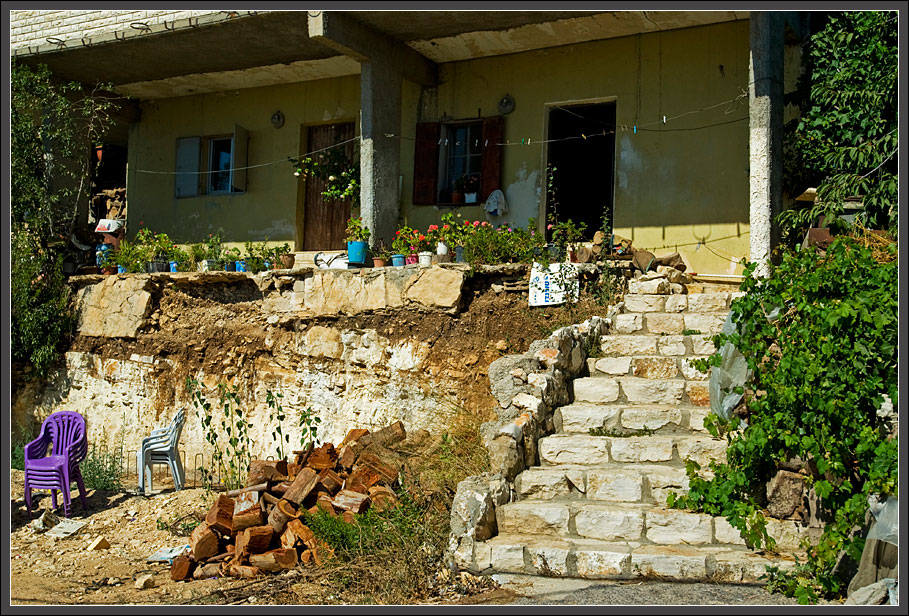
<point>325,220</point>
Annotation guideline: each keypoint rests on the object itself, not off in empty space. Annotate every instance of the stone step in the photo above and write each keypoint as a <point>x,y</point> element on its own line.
<point>695,302</point>
<point>598,450</point>
<point>581,417</point>
<point>668,323</point>
<point>631,522</point>
<point>648,345</point>
<point>635,390</point>
<point>592,559</point>
<point>621,483</point>
<point>648,367</point>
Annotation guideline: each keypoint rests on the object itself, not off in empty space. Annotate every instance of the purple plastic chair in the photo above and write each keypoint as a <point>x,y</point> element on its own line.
<point>64,432</point>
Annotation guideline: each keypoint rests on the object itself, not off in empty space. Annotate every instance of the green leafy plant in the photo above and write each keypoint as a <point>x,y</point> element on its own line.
<point>616,433</point>
<point>103,469</point>
<point>845,141</point>
<point>130,257</point>
<point>820,337</point>
<point>226,430</point>
<point>357,231</point>
<point>339,170</point>
<point>276,417</point>
<point>308,424</point>
<point>51,123</point>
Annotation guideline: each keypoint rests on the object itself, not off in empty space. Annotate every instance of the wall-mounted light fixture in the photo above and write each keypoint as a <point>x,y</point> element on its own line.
<point>277,119</point>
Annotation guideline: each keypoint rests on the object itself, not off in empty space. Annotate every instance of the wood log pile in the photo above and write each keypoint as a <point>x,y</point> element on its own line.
<point>260,527</point>
<point>110,203</point>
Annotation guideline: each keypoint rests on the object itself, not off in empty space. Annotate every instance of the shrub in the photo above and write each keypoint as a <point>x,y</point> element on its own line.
<point>820,336</point>
<point>103,469</point>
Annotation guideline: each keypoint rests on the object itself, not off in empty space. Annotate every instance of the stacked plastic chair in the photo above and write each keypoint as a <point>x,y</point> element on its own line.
<point>64,433</point>
<point>161,448</point>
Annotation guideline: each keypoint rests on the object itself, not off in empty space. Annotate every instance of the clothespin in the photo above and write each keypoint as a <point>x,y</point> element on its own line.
<point>584,136</point>
<point>664,119</point>
<point>522,140</point>
<point>485,143</point>
<point>635,129</point>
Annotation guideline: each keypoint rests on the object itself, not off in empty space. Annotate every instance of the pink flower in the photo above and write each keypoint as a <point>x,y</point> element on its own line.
<point>476,223</point>
<point>433,227</point>
<point>549,226</point>
<point>510,229</point>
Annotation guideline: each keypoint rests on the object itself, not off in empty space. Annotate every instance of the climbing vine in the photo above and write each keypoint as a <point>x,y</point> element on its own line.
<point>820,337</point>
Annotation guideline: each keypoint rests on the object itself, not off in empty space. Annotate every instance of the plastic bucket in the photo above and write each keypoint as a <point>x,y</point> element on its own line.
<point>397,260</point>
<point>356,252</point>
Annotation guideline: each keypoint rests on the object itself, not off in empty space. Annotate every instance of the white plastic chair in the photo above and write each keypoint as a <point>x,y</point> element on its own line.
<point>161,448</point>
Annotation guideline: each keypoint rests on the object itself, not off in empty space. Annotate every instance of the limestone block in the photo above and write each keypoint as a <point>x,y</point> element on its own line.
<point>438,288</point>
<point>548,559</point>
<point>473,510</point>
<point>548,484</point>
<point>676,563</point>
<point>702,345</point>
<point>507,556</point>
<point>707,324</point>
<point>526,401</point>
<point>580,418</point>
<point>654,367</point>
<point>664,323</point>
<point>628,345</point>
<point>672,345</point>
<point>785,493</point>
<point>641,449</point>
<point>673,275</point>
<point>615,485</point>
<point>677,289</point>
<point>115,308</point>
<point>652,391</point>
<point>610,524</point>
<point>690,372</point>
<point>659,286</point>
<point>733,566</point>
<point>323,342</point>
<point>574,449</point>
<point>596,389</point>
<point>708,302</point>
<point>702,450</point>
<point>463,551</point>
<point>645,303</point>
<point>664,480</point>
<point>698,393</point>
<point>616,366</point>
<point>788,534</point>
<point>650,417</point>
<point>671,526</point>
<point>696,419</point>
<point>482,556</point>
<point>628,323</point>
<point>724,532</point>
<point>505,456</point>
<point>676,303</point>
<point>533,518</point>
<point>591,563</point>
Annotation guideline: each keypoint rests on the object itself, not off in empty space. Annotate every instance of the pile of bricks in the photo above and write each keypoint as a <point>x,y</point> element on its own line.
<point>259,528</point>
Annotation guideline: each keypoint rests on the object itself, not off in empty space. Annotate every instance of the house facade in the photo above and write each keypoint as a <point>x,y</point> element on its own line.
<point>647,119</point>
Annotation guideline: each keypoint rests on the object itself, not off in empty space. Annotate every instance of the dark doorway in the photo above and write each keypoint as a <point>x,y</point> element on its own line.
<point>582,160</point>
<point>325,220</point>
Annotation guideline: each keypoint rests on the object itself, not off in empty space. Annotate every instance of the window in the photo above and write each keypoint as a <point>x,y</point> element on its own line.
<point>213,165</point>
<point>445,153</point>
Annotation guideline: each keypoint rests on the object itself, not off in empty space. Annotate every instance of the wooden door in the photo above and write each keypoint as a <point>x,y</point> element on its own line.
<point>325,220</point>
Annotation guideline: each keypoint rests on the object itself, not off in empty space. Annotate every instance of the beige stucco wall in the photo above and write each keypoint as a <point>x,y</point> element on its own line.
<point>268,208</point>
<point>672,189</point>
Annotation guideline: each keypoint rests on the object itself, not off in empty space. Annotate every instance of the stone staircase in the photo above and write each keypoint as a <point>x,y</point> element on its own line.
<point>595,506</point>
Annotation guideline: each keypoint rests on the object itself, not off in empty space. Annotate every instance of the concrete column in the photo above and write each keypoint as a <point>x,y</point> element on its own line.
<point>380,114</point>
<point>765,102</point>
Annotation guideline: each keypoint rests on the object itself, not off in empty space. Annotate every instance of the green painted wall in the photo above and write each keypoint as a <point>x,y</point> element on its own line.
<point>674,187</point>
<point>268,208</point>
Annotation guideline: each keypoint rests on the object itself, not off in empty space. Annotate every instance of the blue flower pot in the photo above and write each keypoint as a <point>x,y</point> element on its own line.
<point>173,266</point>
<point>356,252</point>
<point>459,254</point>
<point>241,266</point>
<point>121,269</point>
<point>230,266</point>
<point>397,260</point>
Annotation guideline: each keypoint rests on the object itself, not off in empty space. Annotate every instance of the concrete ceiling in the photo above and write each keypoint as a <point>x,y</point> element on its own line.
<point>270,48</point>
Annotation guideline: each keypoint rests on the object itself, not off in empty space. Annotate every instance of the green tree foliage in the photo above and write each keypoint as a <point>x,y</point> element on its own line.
<point>820,335</point>
<point>52,128</point>
<point>846,143</point>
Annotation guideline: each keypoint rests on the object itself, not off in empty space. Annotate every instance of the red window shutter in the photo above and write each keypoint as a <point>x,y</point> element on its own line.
<point>426,163</point>
<point>493,135</point>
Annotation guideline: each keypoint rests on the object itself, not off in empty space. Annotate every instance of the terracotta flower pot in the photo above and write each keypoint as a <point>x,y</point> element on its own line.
<point>288,261</point>
<point>376,262</point>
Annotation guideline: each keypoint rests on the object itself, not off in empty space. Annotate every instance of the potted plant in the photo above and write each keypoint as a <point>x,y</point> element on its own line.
<point>403,244</point>
<point>254,261</point>
<point>213,253</point>
<point>129,258</point>
<point>281,255</point>
<point>566,236</point>
<point>471,187</point>
<point>179,260</point>
<point>357,241</point>
<point>231,256</point>
<point>380,254</point>
<point>457,190</point>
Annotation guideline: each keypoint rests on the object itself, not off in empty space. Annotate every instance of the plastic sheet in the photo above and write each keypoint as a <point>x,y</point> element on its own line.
<point>733,372</point>
<point>886,525</point>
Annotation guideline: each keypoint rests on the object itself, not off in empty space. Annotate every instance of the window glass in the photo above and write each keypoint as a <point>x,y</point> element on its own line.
<point>219,164</point>
<point>464,151</point>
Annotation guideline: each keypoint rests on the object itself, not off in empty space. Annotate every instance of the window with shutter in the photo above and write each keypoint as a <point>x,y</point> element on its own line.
<point>212,165</point>
<point>460,156</point>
